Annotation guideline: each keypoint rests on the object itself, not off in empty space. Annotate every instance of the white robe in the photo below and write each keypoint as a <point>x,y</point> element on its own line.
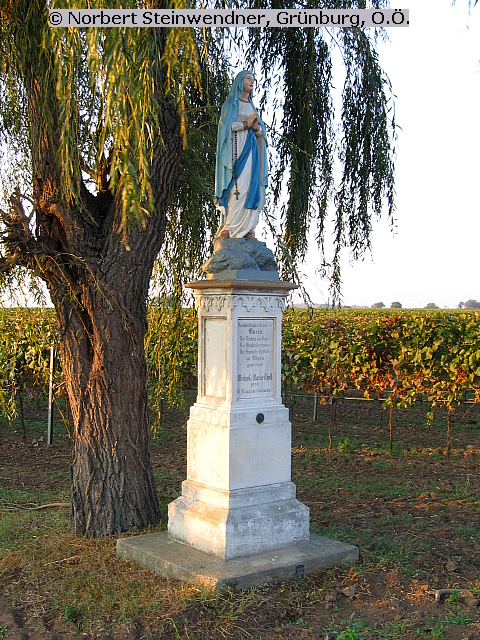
<point>239,220</point>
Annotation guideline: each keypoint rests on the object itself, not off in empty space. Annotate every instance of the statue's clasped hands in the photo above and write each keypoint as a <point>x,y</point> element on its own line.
<point>252,122</point>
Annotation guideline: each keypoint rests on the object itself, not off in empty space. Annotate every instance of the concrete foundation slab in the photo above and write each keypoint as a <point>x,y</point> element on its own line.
<point>162,555</point>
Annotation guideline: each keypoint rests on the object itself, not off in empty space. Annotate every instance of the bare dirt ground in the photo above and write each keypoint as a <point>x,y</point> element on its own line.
<point>414,516</point>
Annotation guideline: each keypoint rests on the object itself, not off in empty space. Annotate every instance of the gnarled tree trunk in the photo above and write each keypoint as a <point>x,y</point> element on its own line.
<point>103,359</point>
<point>99,287</point>
<point>113,488</point>
<point>102,330</point>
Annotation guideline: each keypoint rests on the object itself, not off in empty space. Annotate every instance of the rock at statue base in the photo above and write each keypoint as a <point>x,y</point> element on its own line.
<point>240,258</point>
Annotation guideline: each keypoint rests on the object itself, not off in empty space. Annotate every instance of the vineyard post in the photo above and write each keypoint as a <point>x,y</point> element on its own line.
<point>449,421</point>
<point>22,414</point>
<point>50,398</point>
<point>333,420</point>
<point>315,405</point>
<point>390,426</point>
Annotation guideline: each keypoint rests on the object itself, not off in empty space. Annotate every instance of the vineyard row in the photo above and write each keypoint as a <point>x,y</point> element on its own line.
<point>402,355</point>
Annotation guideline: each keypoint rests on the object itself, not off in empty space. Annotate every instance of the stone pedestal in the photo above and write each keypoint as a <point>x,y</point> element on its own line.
<point>237,522</point>
<point>238,498</point>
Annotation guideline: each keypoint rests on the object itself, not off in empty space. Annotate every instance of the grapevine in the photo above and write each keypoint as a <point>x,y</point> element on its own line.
<point>398,356</point>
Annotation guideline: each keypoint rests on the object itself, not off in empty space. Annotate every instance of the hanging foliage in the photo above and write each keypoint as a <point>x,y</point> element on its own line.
<point>107,139</point>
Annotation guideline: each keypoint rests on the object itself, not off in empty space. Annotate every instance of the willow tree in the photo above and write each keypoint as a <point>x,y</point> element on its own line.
<point>94,123</point>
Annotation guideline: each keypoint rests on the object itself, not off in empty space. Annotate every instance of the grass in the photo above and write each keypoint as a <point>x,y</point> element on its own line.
<point>36,421</point>
<point>364,487</point>
<point>84,580</point>
<point>80,577</point>
<point>17,498</point>
<point>357,493</point>
<point>377,550</point>
<point>351,632</point>
<point>19,530</point>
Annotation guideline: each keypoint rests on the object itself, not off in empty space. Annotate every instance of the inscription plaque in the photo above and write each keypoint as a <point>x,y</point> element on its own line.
<point>215,348</point>
<point>255,359</point>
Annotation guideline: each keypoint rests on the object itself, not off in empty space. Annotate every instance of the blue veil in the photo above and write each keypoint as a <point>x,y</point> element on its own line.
<point>223,166</point>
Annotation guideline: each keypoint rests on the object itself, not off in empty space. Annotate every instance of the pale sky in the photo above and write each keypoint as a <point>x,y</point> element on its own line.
<point>434,255</point>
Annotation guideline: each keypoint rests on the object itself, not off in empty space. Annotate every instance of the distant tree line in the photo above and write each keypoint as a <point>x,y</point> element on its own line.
<point>469,304</point>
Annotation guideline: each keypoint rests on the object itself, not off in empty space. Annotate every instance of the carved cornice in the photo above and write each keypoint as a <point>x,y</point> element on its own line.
<point>265,302</point>
<point>212,301</point>
<point>217,302</point>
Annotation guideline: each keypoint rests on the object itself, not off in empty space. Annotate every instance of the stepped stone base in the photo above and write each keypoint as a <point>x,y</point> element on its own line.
<point>171,559</point>
<point>240,522</point>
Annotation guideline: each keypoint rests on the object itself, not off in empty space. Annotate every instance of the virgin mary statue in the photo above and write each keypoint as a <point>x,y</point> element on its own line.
<point>241,170</point>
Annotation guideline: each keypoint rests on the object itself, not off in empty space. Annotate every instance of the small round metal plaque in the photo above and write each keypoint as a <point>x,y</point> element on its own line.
<point>260,418</point>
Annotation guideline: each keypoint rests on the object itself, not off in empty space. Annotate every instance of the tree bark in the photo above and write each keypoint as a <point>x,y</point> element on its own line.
<point>102,330</point>
<point>99,286</point>
<point>113,487</point>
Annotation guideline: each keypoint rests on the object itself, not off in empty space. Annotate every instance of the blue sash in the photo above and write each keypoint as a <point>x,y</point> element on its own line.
<point>253,199</point>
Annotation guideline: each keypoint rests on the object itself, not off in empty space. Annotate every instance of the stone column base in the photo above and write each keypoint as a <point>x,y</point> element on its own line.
<point>239,522</point>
